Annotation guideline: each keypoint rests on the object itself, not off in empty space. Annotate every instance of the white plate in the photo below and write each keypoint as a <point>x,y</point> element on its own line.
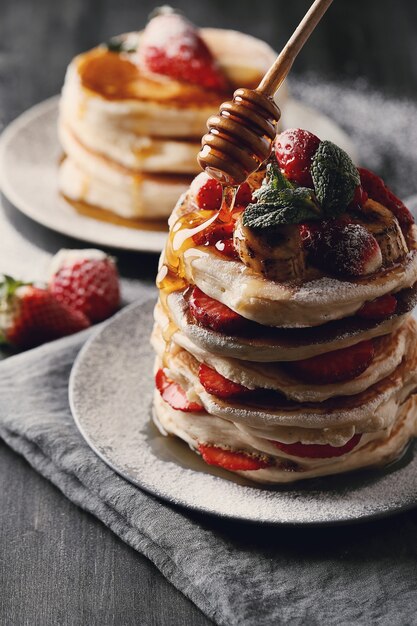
<point>29,157</point>
<point>111,389</point>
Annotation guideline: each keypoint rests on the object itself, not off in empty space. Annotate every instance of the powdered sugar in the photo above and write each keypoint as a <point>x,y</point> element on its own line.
<point>383,129</point>
<point>111,394</point>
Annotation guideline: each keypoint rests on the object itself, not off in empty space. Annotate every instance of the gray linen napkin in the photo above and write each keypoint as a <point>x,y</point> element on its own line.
<point>235,573</point>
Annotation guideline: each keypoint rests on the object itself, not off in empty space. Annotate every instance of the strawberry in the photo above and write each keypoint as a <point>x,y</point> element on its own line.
<point>174,395</point>
<point>218,385</point>
<point>31,315</point>
<point>317,451</point>
<point>334,367</point>
<point>378,190</point>
<point>207,193</point>
<point>172,46</point>
<point>220,235</point>
<point>244,195</point>
<point>378,309</point>
<point>226,248</point>
<point>231,459</point>
<point>86,281</point>
<point>294,150</point>
<point>342,247</point>
<point>359,198</point>
<point>213,314</point>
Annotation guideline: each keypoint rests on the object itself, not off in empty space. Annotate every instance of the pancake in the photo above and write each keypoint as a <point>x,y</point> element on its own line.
<point>124,194</point>
<point>108,90</point>
<point>137,153</point>
<point>381,449</point>
<point>272,344</point>
<point>287,305</point>
<point>132,137</point>
<point>372,409</point>
<point>389,352</point>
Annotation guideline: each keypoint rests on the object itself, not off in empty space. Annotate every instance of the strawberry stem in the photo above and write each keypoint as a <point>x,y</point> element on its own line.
<point>9,286</point>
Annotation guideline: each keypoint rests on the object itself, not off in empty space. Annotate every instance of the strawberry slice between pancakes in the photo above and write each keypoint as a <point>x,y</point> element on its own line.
<point>219,385</point>
<point>213,314</point>
<point>317,451</point>
<point>378,309</point>
<point>232,460</point>
<point>172,46</point>
<point>334,367</point>
<point>174,395</point>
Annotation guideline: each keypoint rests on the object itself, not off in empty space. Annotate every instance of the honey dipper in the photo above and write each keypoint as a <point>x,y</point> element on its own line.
<point>240,136</point>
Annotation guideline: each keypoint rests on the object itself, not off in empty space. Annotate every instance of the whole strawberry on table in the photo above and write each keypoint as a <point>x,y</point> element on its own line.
<point>83,288</point>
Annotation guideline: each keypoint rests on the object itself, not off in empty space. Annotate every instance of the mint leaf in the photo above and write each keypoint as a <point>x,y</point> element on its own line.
<point>335,177</point>
<point>119,44</point>
<point>274,180</point>
<point>283,206</point>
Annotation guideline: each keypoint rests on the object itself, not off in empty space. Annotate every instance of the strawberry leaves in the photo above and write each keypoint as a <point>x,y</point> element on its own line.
<point>335,178</point>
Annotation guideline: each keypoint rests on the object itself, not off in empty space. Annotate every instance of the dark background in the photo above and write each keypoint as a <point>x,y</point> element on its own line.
<point>57,564</point>
<point>372,39</point>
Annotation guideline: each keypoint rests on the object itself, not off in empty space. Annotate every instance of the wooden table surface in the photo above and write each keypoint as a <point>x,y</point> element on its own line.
<point>58,565</point>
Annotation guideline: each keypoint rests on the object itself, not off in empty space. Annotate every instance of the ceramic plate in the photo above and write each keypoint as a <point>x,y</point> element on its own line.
<point>29,157</point>
<point>111,389</point>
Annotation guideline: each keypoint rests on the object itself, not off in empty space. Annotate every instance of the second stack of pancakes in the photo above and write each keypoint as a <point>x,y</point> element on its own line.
<point>301,371</point>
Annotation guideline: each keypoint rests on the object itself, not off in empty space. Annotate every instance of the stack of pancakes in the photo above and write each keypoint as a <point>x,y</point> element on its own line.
<point>294,427</point>
<point>131,138</point>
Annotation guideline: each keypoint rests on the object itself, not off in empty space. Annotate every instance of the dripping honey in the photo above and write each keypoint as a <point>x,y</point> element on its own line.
<point>172,275</point>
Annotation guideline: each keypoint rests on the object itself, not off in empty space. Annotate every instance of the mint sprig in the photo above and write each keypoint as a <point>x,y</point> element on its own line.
<point>335,178</point>
<point>274,181</point>
<point>278,202</point>
<point>287,206</point>
<point>119,44</point>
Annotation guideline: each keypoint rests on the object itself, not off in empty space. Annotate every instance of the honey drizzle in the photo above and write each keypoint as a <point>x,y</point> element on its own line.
<point>172,273</point>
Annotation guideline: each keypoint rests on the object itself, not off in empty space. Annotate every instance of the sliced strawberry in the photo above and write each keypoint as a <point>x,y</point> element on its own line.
<point>227,248</point>
<point>378,309</point>
<point>334,367</point>
<point>218,385</point>
<point>342,247</point>
<point>172,46</point>
<point>175,395</point>
<point>359,198</point>
<point>213,314</point>
<point>207,193</point>
<point>317,451</point>
<point>244,195</point>
<point>217,231</point>
<point>378,190</point>
<point>232,460</point>
<point>31,315</point>
<point>294,149</point>
<point>220,235</point>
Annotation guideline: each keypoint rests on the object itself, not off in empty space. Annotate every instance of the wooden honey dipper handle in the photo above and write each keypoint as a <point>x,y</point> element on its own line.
<point>241,136</point>
<point>279,70</point>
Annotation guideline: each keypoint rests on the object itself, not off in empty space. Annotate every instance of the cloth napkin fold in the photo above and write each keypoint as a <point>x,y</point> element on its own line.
<point>235,573</point>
